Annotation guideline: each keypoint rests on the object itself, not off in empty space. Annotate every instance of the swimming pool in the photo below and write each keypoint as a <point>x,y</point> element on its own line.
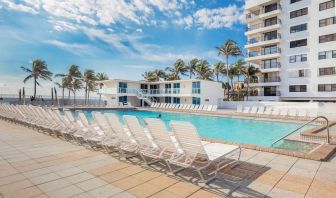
<point>246,131</point>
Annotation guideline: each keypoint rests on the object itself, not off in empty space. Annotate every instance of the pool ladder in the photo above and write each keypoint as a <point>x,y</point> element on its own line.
<point>323,117</point>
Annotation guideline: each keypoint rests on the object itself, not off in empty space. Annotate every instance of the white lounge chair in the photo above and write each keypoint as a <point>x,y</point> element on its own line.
<point>268,110</point>
<point>302,113</point>
<point>166,148</point>
<point>214,108</point>
<point>254,110</point>
<point>239,108</point>
<point>261,110</point>
<point>276,112</point>
<point>292,113</point>
<point>209,108</point>
<point>283,112</point>
<point>246,110</point>
<point>195,155</point>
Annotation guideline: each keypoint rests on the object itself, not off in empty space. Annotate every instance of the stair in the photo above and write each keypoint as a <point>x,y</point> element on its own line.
<point>142,96</point>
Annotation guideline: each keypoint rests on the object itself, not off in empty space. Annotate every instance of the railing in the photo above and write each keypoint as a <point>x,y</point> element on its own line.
<point>264,51</point>
<point>196,91</point>
<point>271,66</point>
<point>265,93</point>
<point>252,15</point>
<point>262,25</point>
<point>264,11</point>
<point>328,135</point>
<point>262,39</point>
<point>267,80</point>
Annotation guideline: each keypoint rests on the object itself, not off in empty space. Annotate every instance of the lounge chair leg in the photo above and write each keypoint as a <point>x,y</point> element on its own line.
<point>178,170</point>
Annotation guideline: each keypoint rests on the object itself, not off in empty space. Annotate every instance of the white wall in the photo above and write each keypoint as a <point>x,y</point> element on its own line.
<point>211,91</point>
<point>233,104</point>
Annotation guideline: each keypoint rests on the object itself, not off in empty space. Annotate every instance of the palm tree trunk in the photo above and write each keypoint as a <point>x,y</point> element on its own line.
<point>217,77</point>
<point>35,82</point>
<point>63,96</point>
<point>247,89</point>
<point>74,99</point>
<point>238,87</point>
<point>227,74</point>
<point>88,97</point>
<point>85,93</point>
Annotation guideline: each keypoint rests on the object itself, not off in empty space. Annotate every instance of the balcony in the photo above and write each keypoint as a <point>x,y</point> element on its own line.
<point>266,53</point>
<point>263,40</point>
<point>265,93</point>
<point>269,12</point>
<point>272,81</point>
<point>262,27</point>
<point>270,67</point>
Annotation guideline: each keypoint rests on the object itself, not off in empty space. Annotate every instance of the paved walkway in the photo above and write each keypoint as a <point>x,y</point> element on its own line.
<point>37,165</point>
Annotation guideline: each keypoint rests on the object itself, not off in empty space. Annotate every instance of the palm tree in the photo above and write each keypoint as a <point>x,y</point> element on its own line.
<point>250,73</point>
<point>178,69</point>
<point>203,70</point>
<point>239,68</point>
<point>89,78</point>
<point>39,69</point>
<point>65,83</point>
<point>229,48</point>
<point>152,76</point>
<point>76,85</point>
<point>192,67</point>
<point>101,77</point>
<point>218,69</point>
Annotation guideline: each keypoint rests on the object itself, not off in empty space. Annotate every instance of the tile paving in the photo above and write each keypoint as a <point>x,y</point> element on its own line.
<point>34,164</point>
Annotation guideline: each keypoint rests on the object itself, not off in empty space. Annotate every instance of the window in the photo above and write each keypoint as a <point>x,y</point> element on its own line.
<point>123,99</point>
<point>327,21</point>
<point>294,1</point>
<point>327,5</point>
<point>298,58</point>
<point>122,87</point>
<point>298,88</point>
<point>270,49</point>
<point>327,71</point>
<point>327,54</point>
<point>298,28</point>
<point>176,100</point>
<point>196,87</point>
<point>298,43</point>
<point>270,8</point>
<point>298,13</point>
<point>301,73</point>
<point>326,87</point>
<point>327,38</point>
<point>270,63</point>
<point>176,89</point>
<point>270,21</point>
<point>196,101</point>
<point>270,35</point>
<point>168,100</point>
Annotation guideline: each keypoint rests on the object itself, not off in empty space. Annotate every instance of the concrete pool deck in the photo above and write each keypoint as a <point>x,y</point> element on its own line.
<point>33,164</point>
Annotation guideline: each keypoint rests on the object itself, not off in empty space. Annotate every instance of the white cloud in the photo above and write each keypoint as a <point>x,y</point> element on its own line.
<point>186,21</point>
<point>219,18</point>
<point>18,7</point>
<point>75,48</point>
<point>138,30</point>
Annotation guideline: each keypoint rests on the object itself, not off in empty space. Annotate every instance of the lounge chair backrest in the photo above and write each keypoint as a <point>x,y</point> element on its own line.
<point>276,111</point>
<point>157,129</point>
<point>268,110</point>
<point>292,112</point>
<point>102,123</point>
<point>214,108</point>
<point>117,127</point>
<point>209,108</point>
<point>246,110</point>
<point>312,113</point>
<point>302,112</point>
<point>83,119</point>
<point>239,108</point>
<point>261,110</point>
<point>254,109</point>
<point>137,131</point>
<point>185,106</point>
<point>69,116</point>
<point>205,108</point>
<point>188,138</point>
<point>283,111</point>
<point>196,107</point>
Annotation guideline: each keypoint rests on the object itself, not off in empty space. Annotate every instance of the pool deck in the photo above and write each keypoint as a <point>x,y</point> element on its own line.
<point>33,164</point>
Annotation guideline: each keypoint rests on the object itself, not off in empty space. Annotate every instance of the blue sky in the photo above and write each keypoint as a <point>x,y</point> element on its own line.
<point>123,38</point>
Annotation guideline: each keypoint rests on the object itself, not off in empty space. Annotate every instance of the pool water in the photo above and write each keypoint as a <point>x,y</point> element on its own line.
<point>246,131</point>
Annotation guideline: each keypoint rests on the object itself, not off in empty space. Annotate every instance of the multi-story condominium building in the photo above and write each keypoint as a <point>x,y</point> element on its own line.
<point>140,93</point>
<point>293,43</point>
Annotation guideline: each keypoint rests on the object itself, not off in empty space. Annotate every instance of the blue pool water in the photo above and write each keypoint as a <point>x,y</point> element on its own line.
<point>246,131</point>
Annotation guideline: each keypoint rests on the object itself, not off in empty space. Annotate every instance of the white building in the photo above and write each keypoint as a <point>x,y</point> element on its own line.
<point>293,42</point>
<point>140,93</point>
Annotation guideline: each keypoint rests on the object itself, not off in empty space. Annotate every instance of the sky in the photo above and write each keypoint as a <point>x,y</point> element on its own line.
<point>123,38</point>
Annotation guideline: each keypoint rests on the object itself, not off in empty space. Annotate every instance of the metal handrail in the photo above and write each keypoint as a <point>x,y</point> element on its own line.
<point>323,117</point>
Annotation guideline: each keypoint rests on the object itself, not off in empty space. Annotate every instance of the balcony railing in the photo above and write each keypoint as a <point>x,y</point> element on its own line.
<point>262,25</point>
<point>262,39</point>
<point>265,51</point>
<point>264,93</point>
<point>271,66</point>
<point>267,80</point>
<point>264,11</point>
<point>252,15</point>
